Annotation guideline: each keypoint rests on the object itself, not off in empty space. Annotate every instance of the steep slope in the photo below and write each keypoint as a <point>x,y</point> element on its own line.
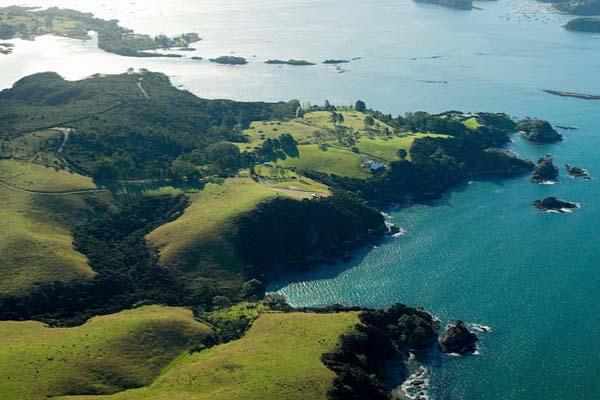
<point>40,205</point>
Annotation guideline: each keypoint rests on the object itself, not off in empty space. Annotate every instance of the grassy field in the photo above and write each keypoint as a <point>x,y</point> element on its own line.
<point>333,161</point>
<point>278,358</point>
<point>38,178</point>
<point>261,130</point>
<point>353,120</point>
<point>290,182</point>
<point>387,148</point>
<point>105,355</point>
<point>195,242</point>
<point>36,245</point>
<point>305,130</point>
<point>472,123</point>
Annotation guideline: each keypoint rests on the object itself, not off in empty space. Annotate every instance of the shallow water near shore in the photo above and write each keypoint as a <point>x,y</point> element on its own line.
<point>483,253</point>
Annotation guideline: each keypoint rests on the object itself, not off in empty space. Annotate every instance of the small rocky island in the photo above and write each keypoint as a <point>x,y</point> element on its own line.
<point>538,131</point>
<point>458,4</point>
<point>576,172</point>
<point>334,61</point>
<point>229,60</point>
<point>545,171</point>
<point>552,204</point>
<point>458,339</point>
<point>297,63</point>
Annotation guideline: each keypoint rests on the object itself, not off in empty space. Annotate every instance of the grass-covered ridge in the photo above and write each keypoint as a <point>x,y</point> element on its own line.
<point>278,358</point>
<point>37,178</point>
<point>106,355</point>
<point>40,207</point>
<point>196,243</point>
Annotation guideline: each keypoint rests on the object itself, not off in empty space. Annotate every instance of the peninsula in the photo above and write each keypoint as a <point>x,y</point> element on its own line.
<point>29,22</point>
<point>160,214</point>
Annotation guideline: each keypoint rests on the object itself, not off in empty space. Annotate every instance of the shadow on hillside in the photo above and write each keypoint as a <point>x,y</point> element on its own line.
<point>133,188</point>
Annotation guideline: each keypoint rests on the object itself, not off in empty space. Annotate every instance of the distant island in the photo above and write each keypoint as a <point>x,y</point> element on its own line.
<point>230,60</point>
<point>290,62</point>
<point>573,94</point>
<point>457,4</point>
<point>334,61</point>
<point>576,7</point>
<point>584,24</point>
<point>29,22</point>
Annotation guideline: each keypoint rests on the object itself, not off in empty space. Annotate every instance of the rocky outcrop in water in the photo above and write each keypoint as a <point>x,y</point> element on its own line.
<point>555,205</point>
<point>545,171</point>
<point>576,172</point>
<point>458,339</point>
<point>538,131</point>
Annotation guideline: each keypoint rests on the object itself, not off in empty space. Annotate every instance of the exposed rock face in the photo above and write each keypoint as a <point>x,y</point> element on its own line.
<point>539,131</point>
<point>576,172</point>
<point>458,339</point>
<point>545,171</point>
<point>554,204</point>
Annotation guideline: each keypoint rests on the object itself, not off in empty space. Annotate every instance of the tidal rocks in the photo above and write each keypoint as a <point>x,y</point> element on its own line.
<point>545,171</point>
<point>393,230</point>
<point>552,204</point>
<point>298,63</point>
<point>6,48</point>
<point>576,172</point>
<point>538,131</point>
<point>229,60</point>
<point>458,339</point>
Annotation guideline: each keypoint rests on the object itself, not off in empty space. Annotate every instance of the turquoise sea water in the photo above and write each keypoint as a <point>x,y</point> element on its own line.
<point>483,253</point>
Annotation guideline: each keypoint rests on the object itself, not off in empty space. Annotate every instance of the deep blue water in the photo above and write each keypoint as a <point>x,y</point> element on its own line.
<point>483,253</point>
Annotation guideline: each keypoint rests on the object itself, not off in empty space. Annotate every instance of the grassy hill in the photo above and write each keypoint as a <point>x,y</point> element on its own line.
<point>278,358</point>
<point>107,354</point>
<point>41,205</point>
<point>195,243</point>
